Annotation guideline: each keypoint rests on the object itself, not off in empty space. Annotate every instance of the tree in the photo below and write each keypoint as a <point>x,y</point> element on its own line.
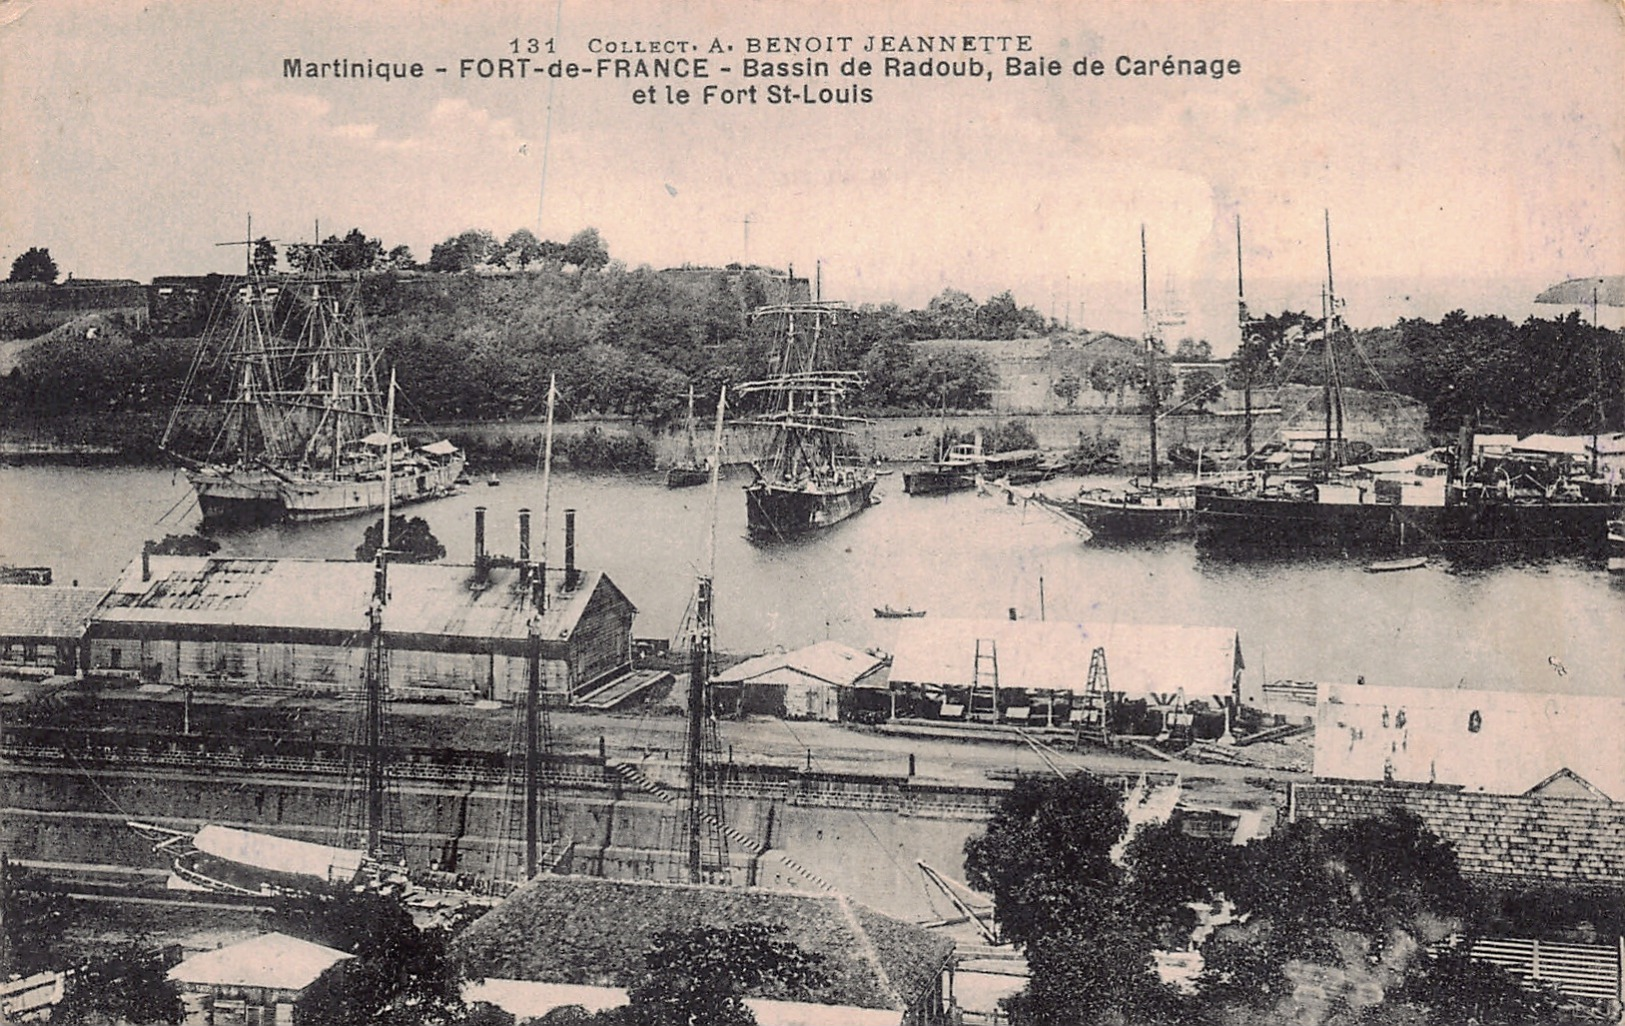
<point>410,541</point>
<point>262,257</point>
<point>36,913</point>
<point>130,986</point>
<point>703,975</point>
<point>1047,858</point>
<point>35,264</point>
<point>400,258</point>
<point>524,247</point>
<point>184,545</point>
<point>1193,350</point>
<point>586,250</point>
<point>396,967</point>
<point>354,252</point>
<point>1066,389</point>
<point>1199,389</point>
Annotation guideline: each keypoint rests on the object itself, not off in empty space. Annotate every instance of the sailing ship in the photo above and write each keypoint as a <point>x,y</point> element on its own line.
<point>1138,511</point>
<point>805,480</point>
<point>281,417</point>
<point>691,471</point>
<point>1371,506</point>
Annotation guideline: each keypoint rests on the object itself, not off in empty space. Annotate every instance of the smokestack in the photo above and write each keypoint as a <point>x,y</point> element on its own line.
<point>570,575</point>
<point>146,561</point>
<point>479,540</point>
<point>524,536</point>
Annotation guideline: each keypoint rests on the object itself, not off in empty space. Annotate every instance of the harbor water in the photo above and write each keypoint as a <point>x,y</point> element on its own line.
<point>1539,626</point>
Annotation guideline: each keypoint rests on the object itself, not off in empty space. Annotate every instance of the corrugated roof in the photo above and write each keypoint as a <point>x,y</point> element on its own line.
<point>1141,659</point>
<point>828,661</point>
<point>45,611</point>
<point>1428,735</point>
<point>272,960</point>
<point>439,599</point>
<point>576,929</point>
<point>279,854</point>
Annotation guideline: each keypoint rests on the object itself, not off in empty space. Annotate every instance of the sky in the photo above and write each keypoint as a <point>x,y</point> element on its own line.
<point>1467,154</point>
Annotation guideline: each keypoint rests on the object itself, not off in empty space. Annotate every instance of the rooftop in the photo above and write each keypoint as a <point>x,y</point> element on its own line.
<point>1141,659</point>
<point>273,960</point>
<point>587,930</point>
<point>435,599</point>
<point>45,611</point>
<point>828,661</point>
<point>1499,742</point>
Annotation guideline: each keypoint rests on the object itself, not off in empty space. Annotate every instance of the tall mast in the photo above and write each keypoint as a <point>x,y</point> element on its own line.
<point>377,656</point>
<point>699,673</point>
<point>533,682</point>
<point>1332,391</point>
<point>1150,354</point>
<point>1246,355</point>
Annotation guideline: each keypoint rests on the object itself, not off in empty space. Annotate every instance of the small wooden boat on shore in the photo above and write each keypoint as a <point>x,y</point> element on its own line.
<point>1386,566</point>
<point>888,613</point>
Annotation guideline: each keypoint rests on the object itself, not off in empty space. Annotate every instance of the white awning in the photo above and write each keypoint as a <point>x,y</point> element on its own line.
<point>279,854</point>
<point>379,439</point>
<point>440,448</point>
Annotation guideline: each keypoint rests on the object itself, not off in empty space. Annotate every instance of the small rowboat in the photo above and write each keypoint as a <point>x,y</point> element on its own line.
<point>1390,565</point>
<point>888,613</point>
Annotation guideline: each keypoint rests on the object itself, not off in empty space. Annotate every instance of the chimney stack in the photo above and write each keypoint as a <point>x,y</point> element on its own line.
<point>571,578</point>
<point>146,561</point>
<point>479,540</point>
<point>524,536</point>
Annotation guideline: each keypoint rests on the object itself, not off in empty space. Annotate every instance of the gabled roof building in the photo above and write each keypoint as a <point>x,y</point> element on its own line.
<point>1528,787</point>
<point>451,630</point>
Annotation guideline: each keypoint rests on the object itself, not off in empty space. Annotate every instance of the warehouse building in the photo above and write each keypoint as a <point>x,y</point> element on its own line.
<point>453,631</point>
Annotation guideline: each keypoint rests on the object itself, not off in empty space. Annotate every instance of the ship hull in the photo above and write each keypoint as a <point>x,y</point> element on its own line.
<point>936,482</point>
<point>1124,518</point>
<point>779,511</point>
<point>1529,527</point>
<point>253,498</point>
<point>1270,522</point>
<point>332,499</point>
<point>687,477</point>
<point>237,498</point>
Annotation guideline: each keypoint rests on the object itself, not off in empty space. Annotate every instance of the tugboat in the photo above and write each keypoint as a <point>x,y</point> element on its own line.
<point>282,415</point>
<point>804,481</point>
<point>1137,511</point>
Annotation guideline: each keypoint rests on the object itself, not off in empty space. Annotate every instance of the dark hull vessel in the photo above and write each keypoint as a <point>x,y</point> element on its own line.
<point>1536,527</point>
<point>1128,515</point>
<point>777,511</point>
<point>1226,520</point>
<point>806,477</point>
<point>938,480</point>
<point>687,477</point>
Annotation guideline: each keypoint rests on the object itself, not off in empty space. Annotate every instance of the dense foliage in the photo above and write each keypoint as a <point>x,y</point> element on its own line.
<point>1309,924</point>
<point>476,332</point>
<point>34,264</point>
<point>410,541</point>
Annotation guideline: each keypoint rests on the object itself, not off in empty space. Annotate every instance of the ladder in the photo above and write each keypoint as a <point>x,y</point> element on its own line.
<point>1093,721</point>
<point>985,675</point>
